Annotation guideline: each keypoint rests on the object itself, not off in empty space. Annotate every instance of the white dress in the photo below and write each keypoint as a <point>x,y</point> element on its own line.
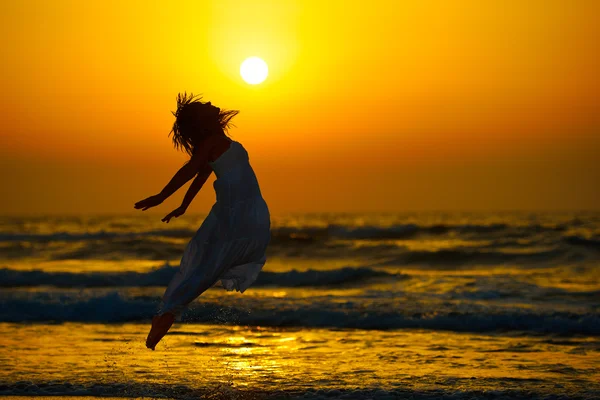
<point>231,243</point>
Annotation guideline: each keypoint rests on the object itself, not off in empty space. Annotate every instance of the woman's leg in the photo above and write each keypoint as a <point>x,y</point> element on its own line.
<point>200,269</point>
<point>174,305</point>
<point>160,326</point>
<point>190,280</point>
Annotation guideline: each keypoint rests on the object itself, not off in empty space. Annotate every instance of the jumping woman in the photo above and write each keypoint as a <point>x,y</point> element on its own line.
<point>231,243</point>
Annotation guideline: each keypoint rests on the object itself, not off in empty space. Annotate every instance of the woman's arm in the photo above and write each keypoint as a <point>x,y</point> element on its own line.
<point>189,196</point>
<point>184,174</point>
<point>196,186</point>
<point>197,164</point>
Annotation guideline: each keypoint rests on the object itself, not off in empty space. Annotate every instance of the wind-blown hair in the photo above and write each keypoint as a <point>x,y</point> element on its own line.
<point>194,120</point>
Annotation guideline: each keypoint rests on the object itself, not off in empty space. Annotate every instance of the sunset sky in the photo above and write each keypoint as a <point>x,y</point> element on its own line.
<point>368,106</point>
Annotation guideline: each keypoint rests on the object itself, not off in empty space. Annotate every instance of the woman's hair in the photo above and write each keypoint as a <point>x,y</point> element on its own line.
<point>194,120</point>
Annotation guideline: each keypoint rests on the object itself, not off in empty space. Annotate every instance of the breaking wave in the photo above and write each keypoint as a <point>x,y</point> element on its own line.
<point>116,308</point>
<point>160,277</point>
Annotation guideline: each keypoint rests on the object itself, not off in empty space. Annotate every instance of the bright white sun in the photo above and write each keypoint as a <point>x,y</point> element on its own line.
<point>254,70</point>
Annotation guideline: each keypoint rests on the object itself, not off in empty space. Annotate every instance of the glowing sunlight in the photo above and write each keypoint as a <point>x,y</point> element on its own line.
<point>254,70</point>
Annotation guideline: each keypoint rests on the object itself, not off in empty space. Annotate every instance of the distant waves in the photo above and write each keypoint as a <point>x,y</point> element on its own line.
<point>399,244</point>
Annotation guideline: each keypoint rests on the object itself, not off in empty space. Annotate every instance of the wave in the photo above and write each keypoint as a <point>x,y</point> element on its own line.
<point>408,231</point>
<point>374,255</point>
<point>306,234</point>
<point>489,244</point>
<point>161,276</point>
<point>411,230</point>
<point>584,242</point>
<point>321,312</point>
<point>315,278</point>
<point>401,231</point>
<point>467,256</point>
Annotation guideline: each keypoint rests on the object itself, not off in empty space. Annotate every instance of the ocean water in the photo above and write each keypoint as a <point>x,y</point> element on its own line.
<point>352,306</point>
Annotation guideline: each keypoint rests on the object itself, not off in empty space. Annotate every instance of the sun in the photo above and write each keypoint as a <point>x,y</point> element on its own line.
<point>254,70</point>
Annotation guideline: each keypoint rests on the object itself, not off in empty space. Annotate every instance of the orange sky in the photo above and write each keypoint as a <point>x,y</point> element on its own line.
<point>386,106</point>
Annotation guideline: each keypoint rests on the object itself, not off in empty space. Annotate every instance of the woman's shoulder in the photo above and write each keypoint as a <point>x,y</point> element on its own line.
<point>217,145</point>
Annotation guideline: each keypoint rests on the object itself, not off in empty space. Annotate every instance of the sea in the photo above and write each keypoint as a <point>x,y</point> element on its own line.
<point>436,305</point>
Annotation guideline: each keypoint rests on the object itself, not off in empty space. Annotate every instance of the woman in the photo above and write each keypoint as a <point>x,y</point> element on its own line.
<point>231,243</point>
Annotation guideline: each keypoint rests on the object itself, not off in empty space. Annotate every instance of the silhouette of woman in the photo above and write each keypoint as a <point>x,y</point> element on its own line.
<point>231,243</point>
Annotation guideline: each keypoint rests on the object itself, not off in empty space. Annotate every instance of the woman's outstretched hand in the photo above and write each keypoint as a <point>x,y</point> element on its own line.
<point>174,214</point>
<point>151,201</point>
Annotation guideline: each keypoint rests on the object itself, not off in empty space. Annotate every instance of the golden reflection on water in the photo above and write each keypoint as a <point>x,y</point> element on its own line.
<point>198,355</point>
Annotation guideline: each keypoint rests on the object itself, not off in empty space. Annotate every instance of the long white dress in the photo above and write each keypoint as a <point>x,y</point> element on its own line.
<point>231,243</point>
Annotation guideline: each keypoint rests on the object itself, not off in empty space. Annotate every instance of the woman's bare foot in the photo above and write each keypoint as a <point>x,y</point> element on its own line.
<point>160,326</point>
